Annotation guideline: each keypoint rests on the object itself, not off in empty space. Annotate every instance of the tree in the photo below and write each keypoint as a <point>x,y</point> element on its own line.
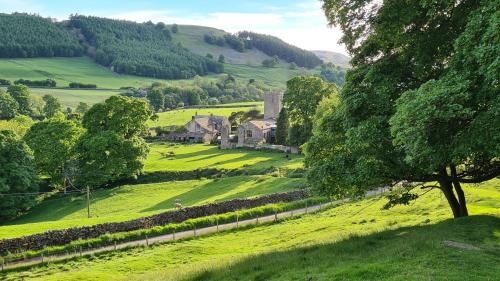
<point>19,125</point>
<point>22,96</point>
<point>52,106</point>
<point>282,126</point>
<point>111,148</point>
<point>175,28</point>
<point>417,106</point>
<point>52,142</point>
<point>209,56</point>
<point>156,99</point>
<point>292,66</point>
<point>82,108</point>
<point>272,62</point>
<point>221,59</point>
<point>8,106</point>
<point>18,180</point>
<point>301,99</point>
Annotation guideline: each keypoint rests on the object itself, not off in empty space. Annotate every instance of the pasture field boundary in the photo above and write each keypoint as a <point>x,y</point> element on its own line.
<point>182,235</point>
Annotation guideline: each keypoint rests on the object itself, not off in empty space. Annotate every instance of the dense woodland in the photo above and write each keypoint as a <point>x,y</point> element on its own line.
<point>141,49</point>
<point>273,46</point>
<point>26,36</point>
<point>232,41</point>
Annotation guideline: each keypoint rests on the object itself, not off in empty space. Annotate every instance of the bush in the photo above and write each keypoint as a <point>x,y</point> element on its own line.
<point>5,82</point>
<point>77,85</point>
<point>37,83</point>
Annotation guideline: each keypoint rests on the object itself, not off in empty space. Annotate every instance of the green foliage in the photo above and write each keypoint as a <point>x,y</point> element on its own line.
<point>82,108</point>
<point>272,62</point>
<point>52,142</point>
<point>22,96</point>
<point>8,106</point>
<point>52,106</point>
<point>27,36</point>
<point>111,148</point>
<point>76,85</point>
<point>17,176</point>
<point>282,126</point>
<point>5,82</point>
<point>175,28</point>
<point>50,83</point>
<point>221,58</point>
<point>140,49</point>
<point>156,99</point>
<point>417,105</point>
<point>273,46</point>
<point>301,99</point>
<point>332,74</point>
<point>19,125</point>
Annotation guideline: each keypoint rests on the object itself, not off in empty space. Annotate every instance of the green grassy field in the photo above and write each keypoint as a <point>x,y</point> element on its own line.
<point>132,201</point>
<point>188,157</point>
<point>182,116</point>
<point>71,98</point>
<point>66,70</point>
<point>354,241</point>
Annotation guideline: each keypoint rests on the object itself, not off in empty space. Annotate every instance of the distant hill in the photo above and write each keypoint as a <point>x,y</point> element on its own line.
<point>192,38</point>
<point>153,50</point>
<point>333,57</point>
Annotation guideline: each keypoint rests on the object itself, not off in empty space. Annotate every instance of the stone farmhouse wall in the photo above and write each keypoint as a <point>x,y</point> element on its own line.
<point>65,236</point>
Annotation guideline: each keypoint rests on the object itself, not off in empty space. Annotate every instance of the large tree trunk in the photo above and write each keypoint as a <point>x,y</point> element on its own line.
<point>447,183</point>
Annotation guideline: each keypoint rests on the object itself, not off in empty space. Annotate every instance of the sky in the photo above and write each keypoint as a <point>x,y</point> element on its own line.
<point>298,22</point>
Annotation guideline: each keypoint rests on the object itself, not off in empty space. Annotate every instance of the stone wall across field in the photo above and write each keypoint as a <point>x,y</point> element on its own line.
<point>65,236</point>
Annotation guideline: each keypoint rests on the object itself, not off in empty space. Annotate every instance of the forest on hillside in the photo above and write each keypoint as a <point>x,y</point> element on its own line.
<point>141,49</point>
<point>273,46</point>
<point>27,36</point>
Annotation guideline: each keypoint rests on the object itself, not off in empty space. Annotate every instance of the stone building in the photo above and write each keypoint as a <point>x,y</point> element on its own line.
<point>273,103</point>
<point>257,132</point>
<point>202,128</point>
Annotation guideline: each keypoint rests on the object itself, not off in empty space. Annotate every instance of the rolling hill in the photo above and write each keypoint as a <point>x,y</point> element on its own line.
<point>333,57</point>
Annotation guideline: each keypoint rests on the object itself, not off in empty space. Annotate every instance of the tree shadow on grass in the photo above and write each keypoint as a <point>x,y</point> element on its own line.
<point>216,189</point>
<point>407,253</point>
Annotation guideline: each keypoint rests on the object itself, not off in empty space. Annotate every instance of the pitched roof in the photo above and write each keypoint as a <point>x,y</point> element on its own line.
<point>263,124</point>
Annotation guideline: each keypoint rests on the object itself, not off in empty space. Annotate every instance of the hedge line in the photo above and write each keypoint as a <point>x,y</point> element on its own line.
<point>66,236</point>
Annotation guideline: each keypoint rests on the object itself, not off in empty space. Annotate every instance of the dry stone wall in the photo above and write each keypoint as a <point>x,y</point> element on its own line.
<point>65,236</point>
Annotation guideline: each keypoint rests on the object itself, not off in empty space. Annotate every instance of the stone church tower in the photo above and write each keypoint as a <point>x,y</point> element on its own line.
<point>273,102</point>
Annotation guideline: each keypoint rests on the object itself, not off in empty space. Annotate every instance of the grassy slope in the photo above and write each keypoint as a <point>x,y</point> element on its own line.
<point>355,241</point>
<point>182,116</point>
<point>132,201</point>
<point>71,98</point>
<point>66,70</point>
<point>191,37</point>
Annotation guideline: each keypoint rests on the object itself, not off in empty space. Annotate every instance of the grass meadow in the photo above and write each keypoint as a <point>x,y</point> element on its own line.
<point>354,241</point>
<point>132,201</point>
<point>185,157</point>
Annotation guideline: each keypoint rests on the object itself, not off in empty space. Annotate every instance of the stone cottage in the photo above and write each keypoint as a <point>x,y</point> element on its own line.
<point>257,132</point>
<point>201,128</point>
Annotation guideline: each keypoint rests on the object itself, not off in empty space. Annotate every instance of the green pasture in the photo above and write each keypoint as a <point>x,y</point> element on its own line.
<point>354,241</point>
<point>186,157</point>
<point>133,201</point>
<point>71,98</point>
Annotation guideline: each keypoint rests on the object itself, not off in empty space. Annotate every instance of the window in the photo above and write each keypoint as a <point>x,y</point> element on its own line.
<point>249,133</point>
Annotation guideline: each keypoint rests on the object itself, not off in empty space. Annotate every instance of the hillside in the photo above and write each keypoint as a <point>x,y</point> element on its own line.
<point>354,241</point>
<point>191,37</point>
<point>334,57</point>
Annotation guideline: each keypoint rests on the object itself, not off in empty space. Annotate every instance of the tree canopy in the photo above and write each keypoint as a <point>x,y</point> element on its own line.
<point>300,100</point>
<point>18,178</point>
<point>111,148</point>
<point>421,102</point>
<point>53,141</point>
